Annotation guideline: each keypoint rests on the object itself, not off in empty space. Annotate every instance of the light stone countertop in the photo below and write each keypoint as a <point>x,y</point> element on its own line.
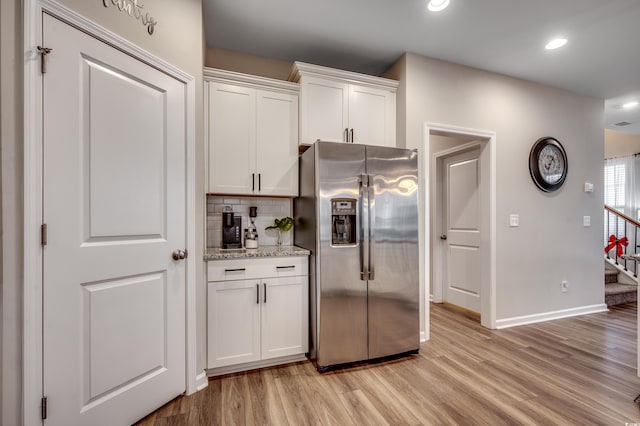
<point>266,251</point>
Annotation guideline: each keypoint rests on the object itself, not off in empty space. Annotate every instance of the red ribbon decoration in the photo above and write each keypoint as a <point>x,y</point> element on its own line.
<point>617,243</point>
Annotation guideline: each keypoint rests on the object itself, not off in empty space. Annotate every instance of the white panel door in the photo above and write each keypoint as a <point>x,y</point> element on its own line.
<point>233,326</point>
<point>114,182</point>
<point>285,316</point>
<point>277,143</point>
<point>462,225</point>
<point>372,116</point>
<point>232,139</point>
<point>324,111</point>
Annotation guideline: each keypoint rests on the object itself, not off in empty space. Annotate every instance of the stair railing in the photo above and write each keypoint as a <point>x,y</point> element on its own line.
<point>621,236</point>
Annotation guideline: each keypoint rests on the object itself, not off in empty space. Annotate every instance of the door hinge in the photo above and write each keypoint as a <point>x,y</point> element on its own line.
<point>44,51</point>
<point>43,407</point>
<point>43,234</point>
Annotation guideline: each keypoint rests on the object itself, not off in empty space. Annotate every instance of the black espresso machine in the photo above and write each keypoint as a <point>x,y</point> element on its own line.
<point>231,229</point>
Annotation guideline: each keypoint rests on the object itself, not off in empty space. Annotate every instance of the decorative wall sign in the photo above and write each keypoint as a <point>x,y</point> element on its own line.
<point>134,9</point>
<point>548,164</point>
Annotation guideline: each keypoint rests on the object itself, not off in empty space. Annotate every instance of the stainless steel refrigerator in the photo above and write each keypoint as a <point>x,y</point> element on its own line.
<point>358,215</point>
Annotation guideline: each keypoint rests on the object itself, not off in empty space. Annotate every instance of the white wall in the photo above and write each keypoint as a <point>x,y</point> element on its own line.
<point>245,63</point>
<point>618,144</point>
<point>178,39</point>
<point>551,244</point>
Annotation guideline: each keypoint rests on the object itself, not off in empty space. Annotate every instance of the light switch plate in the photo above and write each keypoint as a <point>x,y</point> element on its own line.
<point>514,220</point>
<point>588,187</point>
<point>586,221</point>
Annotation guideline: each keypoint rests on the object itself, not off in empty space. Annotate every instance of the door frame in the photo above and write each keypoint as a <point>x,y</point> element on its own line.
<point>486,141</point>
<point>32,376</point>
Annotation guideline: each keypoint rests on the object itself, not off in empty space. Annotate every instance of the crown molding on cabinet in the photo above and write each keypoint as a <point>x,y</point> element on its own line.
<point>248,80</point>
<point>300,69</point>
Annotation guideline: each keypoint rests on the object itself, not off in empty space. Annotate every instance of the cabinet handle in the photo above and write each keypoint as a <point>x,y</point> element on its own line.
<point>352,136</point>
<point>235,270</point>
<point>253,182</point>
<point>265,292</point>
<point>286,267</point>
<point>259,181</point>
<point>257,294</point>
<point>346,135</point>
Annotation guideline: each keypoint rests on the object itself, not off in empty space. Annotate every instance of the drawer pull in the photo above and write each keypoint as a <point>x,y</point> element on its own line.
<point>257,294</point>
<point>265,292</point>
<point>286,267</point>
<point>235,270</point>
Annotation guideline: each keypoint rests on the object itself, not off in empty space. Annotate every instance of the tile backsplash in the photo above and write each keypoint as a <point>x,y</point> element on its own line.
<point>268,210</point>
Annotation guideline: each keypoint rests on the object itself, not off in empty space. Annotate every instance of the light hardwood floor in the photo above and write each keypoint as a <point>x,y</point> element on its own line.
<point>574,371</point>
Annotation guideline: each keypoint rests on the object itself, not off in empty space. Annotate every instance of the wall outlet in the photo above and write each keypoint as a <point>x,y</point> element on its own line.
<point>564,286</point>
<point>514,220</point>
<point>586,221</point>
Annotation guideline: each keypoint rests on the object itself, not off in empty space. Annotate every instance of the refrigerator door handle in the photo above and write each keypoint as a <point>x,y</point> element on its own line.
<point>364,273</point>
<point>371,204</point>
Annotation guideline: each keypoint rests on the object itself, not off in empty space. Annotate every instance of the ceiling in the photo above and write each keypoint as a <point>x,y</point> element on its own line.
<point>601,59</point>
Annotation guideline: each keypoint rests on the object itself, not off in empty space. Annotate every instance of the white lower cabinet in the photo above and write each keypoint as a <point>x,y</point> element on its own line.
<point>258,314</point>
<point>234,322</point>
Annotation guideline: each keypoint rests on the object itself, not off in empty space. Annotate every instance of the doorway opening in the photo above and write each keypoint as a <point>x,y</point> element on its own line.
<point>460,222</point>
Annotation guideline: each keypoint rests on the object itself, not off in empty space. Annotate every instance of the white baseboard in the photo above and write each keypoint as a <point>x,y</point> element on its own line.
<point>423,337</point>
<point>547,316</point>
<point>219,371</point>
<point>202,381</point>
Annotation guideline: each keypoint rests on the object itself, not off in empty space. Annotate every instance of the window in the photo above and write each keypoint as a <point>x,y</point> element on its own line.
<point>614,186</point>
<point>615,176</point>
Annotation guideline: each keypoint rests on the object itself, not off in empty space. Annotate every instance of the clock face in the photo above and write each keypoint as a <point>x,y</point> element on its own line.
<point>551,164</point>
<point>548,164</point>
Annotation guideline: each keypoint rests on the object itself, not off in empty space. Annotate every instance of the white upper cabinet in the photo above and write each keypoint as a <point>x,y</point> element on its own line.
<point>232,138</point>
<point>252,130</point>
<point>324,110</point>
<point>277,143</point>
<point>342,106</point>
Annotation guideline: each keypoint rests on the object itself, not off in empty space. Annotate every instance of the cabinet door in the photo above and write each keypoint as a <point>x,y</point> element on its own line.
<point>232,134</point>
<point>277,143</point>
<point>372,115</point>
<point>324,111</point>
<point>233,324</point>
<point>285,319</point>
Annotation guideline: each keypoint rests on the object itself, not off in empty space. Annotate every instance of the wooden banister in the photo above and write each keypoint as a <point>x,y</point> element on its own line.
<point>622,215</point>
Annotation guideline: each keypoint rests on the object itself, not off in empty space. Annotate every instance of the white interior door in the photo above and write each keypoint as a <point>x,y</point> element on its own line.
<point>114,144</point>
<point>462,230</point>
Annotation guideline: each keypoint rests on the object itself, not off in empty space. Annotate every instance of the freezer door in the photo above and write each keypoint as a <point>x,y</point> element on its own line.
<point>394,325</point>
<point>340,290</point>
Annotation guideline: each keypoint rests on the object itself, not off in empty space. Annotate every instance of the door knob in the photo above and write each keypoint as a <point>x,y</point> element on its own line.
<point>443,237</point>
<point>180,254</point>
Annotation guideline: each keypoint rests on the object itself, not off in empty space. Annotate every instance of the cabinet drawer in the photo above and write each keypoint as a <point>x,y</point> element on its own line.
<point>246,269</point>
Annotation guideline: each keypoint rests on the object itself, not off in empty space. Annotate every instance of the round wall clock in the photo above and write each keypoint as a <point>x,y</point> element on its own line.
<point>548,164</point>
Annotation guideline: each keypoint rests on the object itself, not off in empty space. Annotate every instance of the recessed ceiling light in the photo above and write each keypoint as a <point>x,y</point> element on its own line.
<point>437,5</point>
<point>631,104</point>
<point>556,43</point>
